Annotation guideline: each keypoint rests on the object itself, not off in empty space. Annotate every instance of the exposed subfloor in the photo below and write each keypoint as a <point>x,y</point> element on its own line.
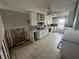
<point>45,48</point>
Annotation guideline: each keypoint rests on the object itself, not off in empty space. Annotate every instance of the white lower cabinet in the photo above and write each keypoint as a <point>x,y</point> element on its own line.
<point>42,33</point>
<point>46,31</point>
<point>52,29</point>
<point>31,36</point>
<point>39,34</point>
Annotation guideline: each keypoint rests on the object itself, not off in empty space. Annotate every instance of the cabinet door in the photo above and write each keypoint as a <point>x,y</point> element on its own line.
<point>33,19</point>
<point>41,33</point>
<point>40,17</point>
<point>31,35</point>
<point>48,20</point>
<point>52,29</point>
<point>46,31</point>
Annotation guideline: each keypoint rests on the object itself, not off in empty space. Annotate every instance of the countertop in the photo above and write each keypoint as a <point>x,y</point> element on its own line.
<point>37,30</point>
<point>71,35</point>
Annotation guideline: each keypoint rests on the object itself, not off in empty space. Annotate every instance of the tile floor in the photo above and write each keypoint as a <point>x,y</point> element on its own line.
<point>45,48</point>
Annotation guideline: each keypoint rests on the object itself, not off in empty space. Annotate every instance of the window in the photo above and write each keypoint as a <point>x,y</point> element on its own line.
<point>61,23</point>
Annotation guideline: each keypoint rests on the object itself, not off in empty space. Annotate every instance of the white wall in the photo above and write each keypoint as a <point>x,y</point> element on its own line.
<point>14,19</point>
<point>1,30</point>
<point>76,21</point>
<point>70,19</point>
<point>0,4</point>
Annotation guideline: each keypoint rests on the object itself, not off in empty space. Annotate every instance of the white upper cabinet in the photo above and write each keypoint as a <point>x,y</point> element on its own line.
<point>48,20</point>
<point>36,18</point>
<point>55,20</point>
<point>33,18</point>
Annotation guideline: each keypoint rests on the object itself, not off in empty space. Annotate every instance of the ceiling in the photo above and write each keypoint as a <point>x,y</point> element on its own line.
<point>56,5</point>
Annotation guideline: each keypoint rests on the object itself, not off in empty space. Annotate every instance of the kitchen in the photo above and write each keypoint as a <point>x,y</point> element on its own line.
<point>33,29</point>
<point>40,25</point>
<point>32,26</point>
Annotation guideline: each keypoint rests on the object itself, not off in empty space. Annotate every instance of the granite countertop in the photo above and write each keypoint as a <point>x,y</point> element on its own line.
<point>71,35</point>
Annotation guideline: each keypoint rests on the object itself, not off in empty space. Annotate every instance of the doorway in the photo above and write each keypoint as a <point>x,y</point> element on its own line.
<point>61,23</point>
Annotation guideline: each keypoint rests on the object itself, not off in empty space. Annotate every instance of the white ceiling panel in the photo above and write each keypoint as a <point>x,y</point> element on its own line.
<point>56,5</point>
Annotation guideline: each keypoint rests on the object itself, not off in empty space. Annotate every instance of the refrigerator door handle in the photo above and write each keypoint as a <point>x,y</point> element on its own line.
<point>59,45</point>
